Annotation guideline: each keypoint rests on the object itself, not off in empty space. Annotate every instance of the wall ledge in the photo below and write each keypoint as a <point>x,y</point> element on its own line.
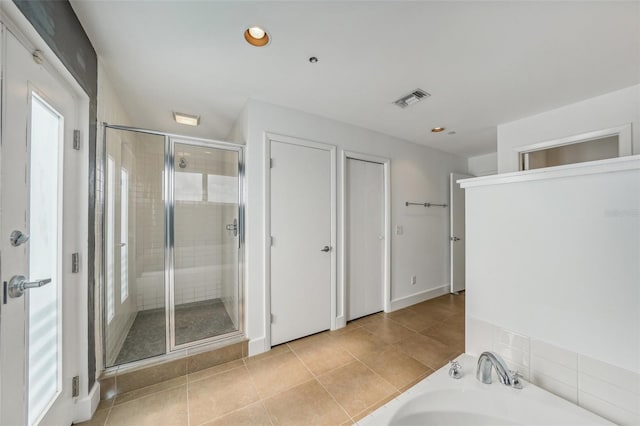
<point>631,162</point>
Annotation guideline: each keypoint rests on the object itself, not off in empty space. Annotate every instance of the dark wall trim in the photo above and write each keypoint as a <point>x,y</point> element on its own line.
<point>59,27</point>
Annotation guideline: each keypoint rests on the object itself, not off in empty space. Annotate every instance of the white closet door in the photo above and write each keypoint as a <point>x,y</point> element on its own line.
<point>364,228</point>
<point>301,235</point>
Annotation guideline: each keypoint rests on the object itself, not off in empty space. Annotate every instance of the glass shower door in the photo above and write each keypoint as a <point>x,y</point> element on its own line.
<point>205,287</point>
<point>135,321</point>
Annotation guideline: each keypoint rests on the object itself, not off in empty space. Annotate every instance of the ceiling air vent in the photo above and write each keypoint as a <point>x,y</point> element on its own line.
<point>412,98</point>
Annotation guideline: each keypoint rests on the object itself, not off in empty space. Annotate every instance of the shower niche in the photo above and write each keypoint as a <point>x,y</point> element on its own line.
<point>172,243</point>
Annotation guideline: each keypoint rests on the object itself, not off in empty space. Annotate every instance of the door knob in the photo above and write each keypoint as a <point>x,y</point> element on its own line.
<point>18,284</point>
<point>18,238</point>
<point>325,249</point>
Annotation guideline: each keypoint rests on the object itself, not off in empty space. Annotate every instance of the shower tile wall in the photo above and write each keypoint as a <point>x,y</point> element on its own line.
<point>200,235</point>
<point>205,199</point>
<point>150,290</point>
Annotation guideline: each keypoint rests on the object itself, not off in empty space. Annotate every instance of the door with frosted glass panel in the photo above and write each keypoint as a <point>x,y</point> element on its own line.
<point>206,240</point>
<point>40,229</point>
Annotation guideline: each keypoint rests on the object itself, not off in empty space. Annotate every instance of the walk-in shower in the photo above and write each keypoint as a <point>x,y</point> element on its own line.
<point>172,216</point>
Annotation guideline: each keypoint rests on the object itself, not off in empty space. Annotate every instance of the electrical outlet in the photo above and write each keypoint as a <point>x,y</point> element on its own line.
<point>399,230</point>
<point>413,280</point>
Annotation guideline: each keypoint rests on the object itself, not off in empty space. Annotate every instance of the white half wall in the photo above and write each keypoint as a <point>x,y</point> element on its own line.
<point>417,174</point>
<point>603,112</point>
<point>553,255</point>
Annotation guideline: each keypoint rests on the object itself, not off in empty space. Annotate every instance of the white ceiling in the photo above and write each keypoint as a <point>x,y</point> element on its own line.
<point>484,63</point>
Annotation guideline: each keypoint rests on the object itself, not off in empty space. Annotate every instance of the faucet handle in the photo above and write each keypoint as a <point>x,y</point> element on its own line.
<point>454,370</point>
<point>515,379</point>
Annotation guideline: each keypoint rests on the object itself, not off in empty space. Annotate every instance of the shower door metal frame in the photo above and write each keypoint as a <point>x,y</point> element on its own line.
<point>169,162</point>
<point>169,235</point>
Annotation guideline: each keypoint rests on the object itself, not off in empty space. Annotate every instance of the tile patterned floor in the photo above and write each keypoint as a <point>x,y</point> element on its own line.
<point>331,378</point>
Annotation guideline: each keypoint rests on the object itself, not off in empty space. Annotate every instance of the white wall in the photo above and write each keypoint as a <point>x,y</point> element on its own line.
<point>417,174</point>
<point>483,165</point>
<point>602,112</point>
<point>557,260</point>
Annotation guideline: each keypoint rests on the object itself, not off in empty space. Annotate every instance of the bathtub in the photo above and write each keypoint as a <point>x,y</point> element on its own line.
<point>441,400</point>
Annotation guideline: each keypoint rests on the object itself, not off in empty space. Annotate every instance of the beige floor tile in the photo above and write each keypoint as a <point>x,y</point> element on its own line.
<point>447,333</point>
<point>412,320</point>
<point>99,418</point>
<point>314,339</point>
<point>323,356</point>
<point>251,415</point>
<point>306,404</point>
<point>395,366</point>
<point>202,374</point>
<point>210,359</point>
<point>428,351</point>
<point>108,388</point>
<point>218,395</point>
<point>361,415</point>
<point>416,381</point>
<point>278,373</point>
<point>139,393</point>
<point>276,350</point>
<point>168,407</point>
<point>360,342</point>
<point>431,311</point>
<point>457,320</point>
<point>356,387</point>
<point>150,376</point>
<point>368,319</point>
<point>388,331</point>
<point>106,403</point>
<point>346,329</point>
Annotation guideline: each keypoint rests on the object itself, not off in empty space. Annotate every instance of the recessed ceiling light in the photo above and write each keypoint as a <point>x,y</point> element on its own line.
<point>256,36</point>
<point>437,129</point>
<point>189,120</point>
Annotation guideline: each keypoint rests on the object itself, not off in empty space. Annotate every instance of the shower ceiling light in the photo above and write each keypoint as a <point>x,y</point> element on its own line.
<point>256,36</point>
<point>189,120</point>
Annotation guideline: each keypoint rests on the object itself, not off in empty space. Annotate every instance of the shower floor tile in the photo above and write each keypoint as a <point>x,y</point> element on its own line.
<point>194,321</point>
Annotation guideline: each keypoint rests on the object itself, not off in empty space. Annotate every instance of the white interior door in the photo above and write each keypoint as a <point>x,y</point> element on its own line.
<point>38,331</point>
<point>301,241</point>
<point>365,237</point>
<point>456,209</point>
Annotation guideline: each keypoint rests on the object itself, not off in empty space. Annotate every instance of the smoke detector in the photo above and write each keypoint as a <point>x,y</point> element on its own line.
<point>412,98</point>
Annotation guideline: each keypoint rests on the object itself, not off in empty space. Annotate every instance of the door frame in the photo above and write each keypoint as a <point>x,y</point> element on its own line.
<point>386,164</point>
<point>12,19</point>
<point>274,137</point>
<point>451,209</point>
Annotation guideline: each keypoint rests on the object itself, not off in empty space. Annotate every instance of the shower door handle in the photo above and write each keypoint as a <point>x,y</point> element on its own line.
<point>233,227</point>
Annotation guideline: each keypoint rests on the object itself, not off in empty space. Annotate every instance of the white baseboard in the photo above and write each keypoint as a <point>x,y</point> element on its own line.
<point>258,346</point>
<point>86,406</point>
<point>341,322</point>
<point>412,299</point>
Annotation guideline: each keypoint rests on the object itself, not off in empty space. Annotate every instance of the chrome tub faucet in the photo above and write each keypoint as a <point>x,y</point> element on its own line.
<point>489,360</point>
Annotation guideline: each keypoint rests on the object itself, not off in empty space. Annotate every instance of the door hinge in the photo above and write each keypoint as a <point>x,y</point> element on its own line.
<point>271,239</point>
<point>75,263</point>
<point>75,386</point>
<point>76,140</point>
<point>271,163</point>
<point>273,318</point>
